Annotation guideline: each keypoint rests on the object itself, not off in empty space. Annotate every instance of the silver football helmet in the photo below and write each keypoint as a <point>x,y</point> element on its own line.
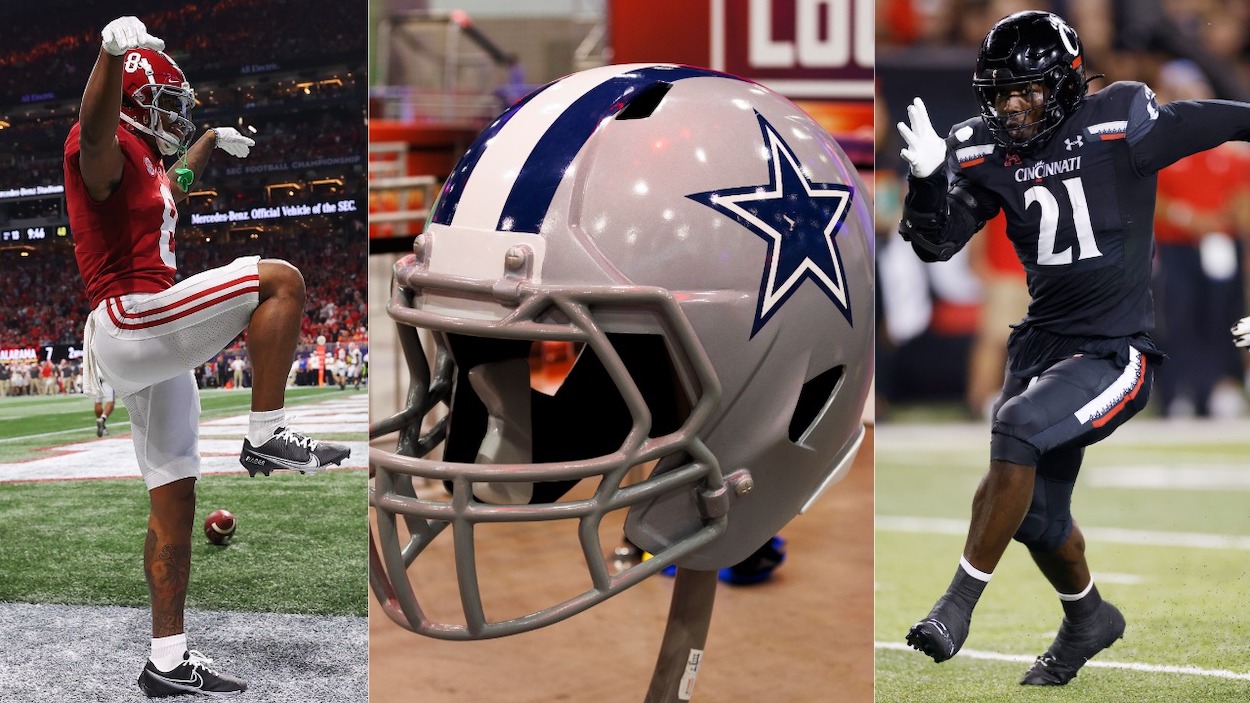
<point>709,249</point>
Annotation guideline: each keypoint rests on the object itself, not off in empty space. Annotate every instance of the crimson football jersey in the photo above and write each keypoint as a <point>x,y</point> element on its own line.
<point>124,244</point>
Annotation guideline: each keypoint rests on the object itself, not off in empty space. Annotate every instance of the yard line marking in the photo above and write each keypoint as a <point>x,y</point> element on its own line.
<point>1123,579</point>
<point>1209,476</point>
<point>1211,473</point>
<point>1151,538</point>
<point>1129,666</point>
<point>89,425</point>
<point>1135,435</point>
<point>84,428</point>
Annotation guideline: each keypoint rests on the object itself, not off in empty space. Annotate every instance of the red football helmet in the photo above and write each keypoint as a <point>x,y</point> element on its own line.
<point>153,86</point>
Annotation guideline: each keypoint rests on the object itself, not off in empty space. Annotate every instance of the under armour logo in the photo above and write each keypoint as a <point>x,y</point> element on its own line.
<point>1078,142</point>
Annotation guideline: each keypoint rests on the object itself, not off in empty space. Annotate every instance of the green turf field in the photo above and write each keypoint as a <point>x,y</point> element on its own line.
<point>300,546</point>
<point>1174,558</point>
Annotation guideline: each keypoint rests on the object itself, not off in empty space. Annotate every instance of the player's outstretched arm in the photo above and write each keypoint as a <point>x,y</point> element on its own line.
<point>228,139</point>
<point>1186,127</point>
<point>100,156</point>
<point>936,221</point>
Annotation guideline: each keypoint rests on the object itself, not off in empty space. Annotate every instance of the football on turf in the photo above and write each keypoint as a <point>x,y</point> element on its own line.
<point>219,527</point>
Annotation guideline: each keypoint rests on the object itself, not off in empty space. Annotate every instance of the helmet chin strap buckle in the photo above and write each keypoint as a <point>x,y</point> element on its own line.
<point>504,387</point>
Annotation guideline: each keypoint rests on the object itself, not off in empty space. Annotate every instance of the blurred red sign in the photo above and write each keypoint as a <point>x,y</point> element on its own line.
<point>800,48</point>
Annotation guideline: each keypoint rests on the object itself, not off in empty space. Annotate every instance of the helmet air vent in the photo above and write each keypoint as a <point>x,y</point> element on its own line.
<point>813,399</point>
<point>645,102</point>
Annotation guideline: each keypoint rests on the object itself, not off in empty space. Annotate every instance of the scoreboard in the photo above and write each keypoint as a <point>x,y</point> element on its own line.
<point>33,235</point>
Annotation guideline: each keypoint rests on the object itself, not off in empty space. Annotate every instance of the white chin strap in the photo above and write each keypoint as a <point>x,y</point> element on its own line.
<point>165,142</point>
<point>504,387</point>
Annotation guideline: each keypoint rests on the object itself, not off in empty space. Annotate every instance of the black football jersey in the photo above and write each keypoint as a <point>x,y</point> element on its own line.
<point>1079,211</point>
<point>1080,208</point>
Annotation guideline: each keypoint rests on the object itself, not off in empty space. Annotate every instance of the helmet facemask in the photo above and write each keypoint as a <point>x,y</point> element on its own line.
<point>1049,102</point>
<point>168,116</point>
<point>157,99</point>
<point>629,403</point>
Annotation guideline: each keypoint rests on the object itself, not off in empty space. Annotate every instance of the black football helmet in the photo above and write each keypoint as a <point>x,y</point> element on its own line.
<point>1029,48</point>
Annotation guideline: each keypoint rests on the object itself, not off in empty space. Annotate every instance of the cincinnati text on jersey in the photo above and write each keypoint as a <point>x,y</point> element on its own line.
<point>1052,168</point>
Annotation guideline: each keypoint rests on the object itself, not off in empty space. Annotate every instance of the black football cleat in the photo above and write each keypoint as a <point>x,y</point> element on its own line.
<point>292,451</point>
<point>192,676</point>
<point>943,632</point>
<point>100,429</point>
<point>1075,644</point>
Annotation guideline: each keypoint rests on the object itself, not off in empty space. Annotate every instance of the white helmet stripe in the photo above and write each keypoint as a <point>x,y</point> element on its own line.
<point>484,194</point>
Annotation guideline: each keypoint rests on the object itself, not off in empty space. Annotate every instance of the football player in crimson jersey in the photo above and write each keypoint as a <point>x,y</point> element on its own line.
<point>1075,175</point>
<point>146,333</point>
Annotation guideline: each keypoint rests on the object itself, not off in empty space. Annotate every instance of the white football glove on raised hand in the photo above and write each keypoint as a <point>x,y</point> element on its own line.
<point>1241,333</point>
<point>926,151</point>
<point>126,33</point>
<point>232,142</point>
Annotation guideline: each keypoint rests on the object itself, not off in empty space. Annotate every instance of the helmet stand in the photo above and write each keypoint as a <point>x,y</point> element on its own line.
<point>681,651</point>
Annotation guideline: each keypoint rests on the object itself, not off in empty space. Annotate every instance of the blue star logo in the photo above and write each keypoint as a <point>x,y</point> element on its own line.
<point>799,221</point>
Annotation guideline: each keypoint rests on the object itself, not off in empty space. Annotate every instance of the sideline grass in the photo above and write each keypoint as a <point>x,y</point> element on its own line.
<point>1185,607</point>
<point>300,546</point>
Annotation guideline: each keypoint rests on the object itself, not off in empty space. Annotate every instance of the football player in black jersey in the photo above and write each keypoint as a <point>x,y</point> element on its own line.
<point>1075,175</point>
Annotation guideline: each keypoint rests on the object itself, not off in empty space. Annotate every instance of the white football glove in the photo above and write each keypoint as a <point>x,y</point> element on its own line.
<point>126,33</point>
<point>230,141</point>
<point>1241,333</point>
<point>926,151</point>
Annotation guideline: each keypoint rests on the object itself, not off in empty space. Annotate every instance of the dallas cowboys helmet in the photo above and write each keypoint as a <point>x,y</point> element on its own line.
<point>709,249</point>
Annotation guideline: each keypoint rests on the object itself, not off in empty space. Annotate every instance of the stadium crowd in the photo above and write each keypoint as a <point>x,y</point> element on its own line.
<point>61,63</point>
<point>44,304</point>
<point>332,132</point>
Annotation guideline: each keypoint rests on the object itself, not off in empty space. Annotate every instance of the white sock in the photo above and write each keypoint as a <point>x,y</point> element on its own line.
<point>973,571</point>
<point>262,425</point>
<point>1070,597</point>
<point>167,651</point>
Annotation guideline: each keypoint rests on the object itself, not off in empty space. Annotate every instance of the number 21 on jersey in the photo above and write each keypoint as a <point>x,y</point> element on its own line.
<point>1087,247</point>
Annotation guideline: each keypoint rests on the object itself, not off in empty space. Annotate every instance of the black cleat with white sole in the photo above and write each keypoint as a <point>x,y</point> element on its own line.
<point>291,451</point>
<point>1075,644</point>
<point>192,676</point>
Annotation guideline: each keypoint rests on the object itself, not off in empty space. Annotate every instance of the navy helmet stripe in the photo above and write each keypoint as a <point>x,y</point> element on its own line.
<point>543,170</point>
